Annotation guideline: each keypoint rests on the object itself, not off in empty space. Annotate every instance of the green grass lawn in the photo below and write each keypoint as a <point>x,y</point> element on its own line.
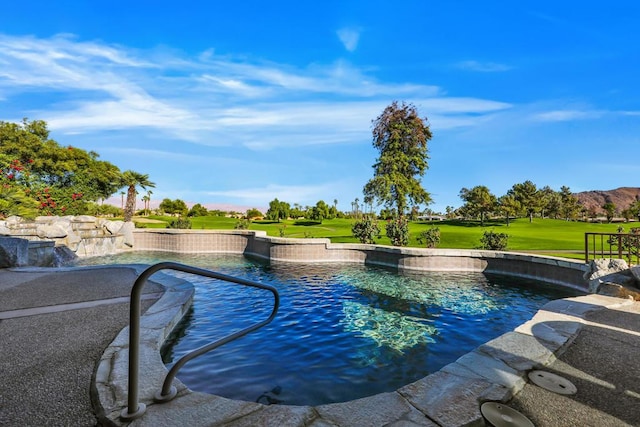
<point>545,236</point>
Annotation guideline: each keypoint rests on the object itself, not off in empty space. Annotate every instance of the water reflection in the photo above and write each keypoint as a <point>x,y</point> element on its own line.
<point>387,328</point>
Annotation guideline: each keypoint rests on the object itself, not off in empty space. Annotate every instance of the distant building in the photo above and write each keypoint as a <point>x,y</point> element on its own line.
<point>431,218</point>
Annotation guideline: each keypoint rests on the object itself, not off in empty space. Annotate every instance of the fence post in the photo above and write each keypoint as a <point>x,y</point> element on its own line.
<point>620,246</point>
<point>586,248</point>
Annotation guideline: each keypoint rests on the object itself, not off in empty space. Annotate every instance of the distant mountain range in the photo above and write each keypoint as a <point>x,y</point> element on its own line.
<point>621,197</point>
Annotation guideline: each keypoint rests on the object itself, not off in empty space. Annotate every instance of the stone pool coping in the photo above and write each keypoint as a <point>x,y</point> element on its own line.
<point>495,371</point>
<point>256,243</point>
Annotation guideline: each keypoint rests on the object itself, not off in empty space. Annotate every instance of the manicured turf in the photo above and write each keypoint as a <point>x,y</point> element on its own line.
<point>547,236</point>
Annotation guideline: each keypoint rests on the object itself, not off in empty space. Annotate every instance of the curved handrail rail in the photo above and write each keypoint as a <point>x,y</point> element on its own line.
<point>136,409</point>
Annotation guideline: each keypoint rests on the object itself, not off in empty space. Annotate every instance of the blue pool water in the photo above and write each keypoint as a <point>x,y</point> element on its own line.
<point>343,331</point>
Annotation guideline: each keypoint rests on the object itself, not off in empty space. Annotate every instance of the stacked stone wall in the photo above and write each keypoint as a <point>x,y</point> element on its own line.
<point>82,235</point>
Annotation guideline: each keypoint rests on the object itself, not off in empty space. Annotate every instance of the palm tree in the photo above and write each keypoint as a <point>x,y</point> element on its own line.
<point>14,201</point>
<point>145,200</point>
<point>122,200</point>
<point>149,193</point>
<point>131,180</point>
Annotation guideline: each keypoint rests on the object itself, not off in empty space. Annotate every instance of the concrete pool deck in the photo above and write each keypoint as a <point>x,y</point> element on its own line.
<point>63,361</point>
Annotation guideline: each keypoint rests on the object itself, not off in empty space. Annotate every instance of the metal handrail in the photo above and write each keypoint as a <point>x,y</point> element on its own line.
<point>136,409</point>
<point>615,245</point>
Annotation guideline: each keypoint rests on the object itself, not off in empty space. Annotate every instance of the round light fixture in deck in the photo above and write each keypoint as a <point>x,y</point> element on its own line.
<point>500,415</point>
<point>552,382</point>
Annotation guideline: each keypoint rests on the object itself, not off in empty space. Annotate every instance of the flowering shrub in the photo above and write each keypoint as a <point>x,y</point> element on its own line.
<point>494,241</point>
<point>398,231</point>
<point>366,229</point>
<point>16,176</point>
<point>182,223</point>
<point>15,171</point>
<point>15,197</point>
<point>430,237</point>
<point>242,224</point>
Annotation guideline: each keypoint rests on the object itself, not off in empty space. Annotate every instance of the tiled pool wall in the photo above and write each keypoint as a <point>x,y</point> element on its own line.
<point>257,244</point>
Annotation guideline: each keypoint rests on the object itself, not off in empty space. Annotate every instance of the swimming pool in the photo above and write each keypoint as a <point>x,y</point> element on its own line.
<point>343,331</point>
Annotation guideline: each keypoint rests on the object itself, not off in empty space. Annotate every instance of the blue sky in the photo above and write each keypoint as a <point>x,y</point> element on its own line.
<point>234,104</point>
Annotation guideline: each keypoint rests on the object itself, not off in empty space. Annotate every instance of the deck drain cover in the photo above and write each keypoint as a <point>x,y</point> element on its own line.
<point>552,382</point>
<point>500,415</point>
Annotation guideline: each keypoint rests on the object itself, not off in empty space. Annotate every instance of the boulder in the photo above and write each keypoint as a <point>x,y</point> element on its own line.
<point>113,227</point>
<point>73,239</point>
<point>12,220</point>
<point>85,218</point>
<point>618,291</point>
<point>63,255</point>
<point>53,231</point>
<point>45,219</point>
<point>635,272</point>
<point>14,252</point>
<point>608,270</point>
<point>127,231</point>
<point>64,223</point>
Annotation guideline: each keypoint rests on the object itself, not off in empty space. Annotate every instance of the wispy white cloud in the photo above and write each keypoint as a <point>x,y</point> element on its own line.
<point>461,105</point>
<point>61,62</point>
<point>483,67</point>
<point>339,78</point>
<point>233,85</point>
<point>567,115</point>
<point>349,38</point>
<point>144,153</point>
<point>211,99</point>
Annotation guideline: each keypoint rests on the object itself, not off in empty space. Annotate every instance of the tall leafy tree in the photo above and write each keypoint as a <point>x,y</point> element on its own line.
<point>609,210</point>
<point>67,173</point>
<point>131,180</point>
<point>528,196</point>
<point>400,136</point>
<point>570,206</point>
<point>479,201</point>
<point>549,201</point>
<point>509,206</point>
<point>198,210</point>
<point>450,212</point>
<point>173,207</point>
<point>634,208</point>
<point>278,210</point>
<point>320,211</point>
<point>253,213</point>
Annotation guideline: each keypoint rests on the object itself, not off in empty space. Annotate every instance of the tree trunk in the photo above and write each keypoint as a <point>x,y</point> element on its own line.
<point>131,204</point>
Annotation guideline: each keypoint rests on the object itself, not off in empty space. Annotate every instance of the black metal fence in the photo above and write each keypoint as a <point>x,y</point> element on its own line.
<point>613,245</point>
